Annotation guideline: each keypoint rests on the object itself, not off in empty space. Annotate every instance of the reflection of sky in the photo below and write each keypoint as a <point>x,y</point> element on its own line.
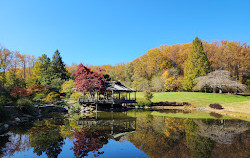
<point>27,154</point>
<point>111,150</point>
<point>121,149</point>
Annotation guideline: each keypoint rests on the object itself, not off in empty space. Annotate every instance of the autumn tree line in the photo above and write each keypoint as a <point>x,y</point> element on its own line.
<point>22,71</point>
<point>15,68</point>
<point>165,68</point>
<point>25,80</point>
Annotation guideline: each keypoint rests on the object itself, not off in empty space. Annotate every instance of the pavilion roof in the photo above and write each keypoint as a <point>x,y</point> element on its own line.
<point>117,86</point>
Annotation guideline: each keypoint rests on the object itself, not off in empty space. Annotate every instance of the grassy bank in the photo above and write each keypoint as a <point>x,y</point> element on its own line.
<point>235,103</point>
<point>193,115</point>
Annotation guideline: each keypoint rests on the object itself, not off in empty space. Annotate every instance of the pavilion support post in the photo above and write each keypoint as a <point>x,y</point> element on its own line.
<point>97,96</point>
<point>112,99</point>
<point>96,111</point>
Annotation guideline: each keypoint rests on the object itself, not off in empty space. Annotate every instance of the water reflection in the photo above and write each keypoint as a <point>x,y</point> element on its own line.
<point>165,136</point>
<point>86,141</point>
<point>145,133</point>
<point>45,137</point>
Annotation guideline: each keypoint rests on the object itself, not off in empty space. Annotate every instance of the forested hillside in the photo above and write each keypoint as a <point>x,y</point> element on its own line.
<point>162,68</point>
<point>159,69</point>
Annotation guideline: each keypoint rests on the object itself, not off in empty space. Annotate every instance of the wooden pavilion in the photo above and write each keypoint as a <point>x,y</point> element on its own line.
<point>115,94</point>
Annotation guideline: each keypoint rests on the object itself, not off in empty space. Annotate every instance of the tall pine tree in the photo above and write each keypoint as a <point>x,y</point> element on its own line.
<point>196,65</point>
<point>59,67</point>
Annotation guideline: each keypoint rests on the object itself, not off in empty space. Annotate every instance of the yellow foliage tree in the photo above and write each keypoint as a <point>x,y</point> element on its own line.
<point>171,81</point>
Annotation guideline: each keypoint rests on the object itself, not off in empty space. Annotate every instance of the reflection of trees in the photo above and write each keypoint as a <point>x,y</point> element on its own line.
<point>46,137</point>
<point>239,147</point>
<point>155,136</point>
<point>199,146</point>
<point>231,137</point>
<point>169,137</point>
<point>173,127</point>
<point>67,130</point>
<point>222,131</point>
<point>15,141</point>
<point>87,141</point>
<point>3,141</point>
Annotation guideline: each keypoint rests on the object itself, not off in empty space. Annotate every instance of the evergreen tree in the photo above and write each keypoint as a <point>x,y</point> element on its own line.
<point>197,65</point>
<point>59,67</point>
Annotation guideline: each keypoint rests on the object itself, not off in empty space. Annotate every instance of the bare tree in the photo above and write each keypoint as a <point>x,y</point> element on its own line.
<point>219,79</point>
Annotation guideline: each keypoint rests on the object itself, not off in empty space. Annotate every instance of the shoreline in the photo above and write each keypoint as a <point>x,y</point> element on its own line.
<point>233,114</point>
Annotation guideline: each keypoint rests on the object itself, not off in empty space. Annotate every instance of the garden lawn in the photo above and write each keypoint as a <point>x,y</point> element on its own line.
<point>235,103</point>
<point>193,115</point>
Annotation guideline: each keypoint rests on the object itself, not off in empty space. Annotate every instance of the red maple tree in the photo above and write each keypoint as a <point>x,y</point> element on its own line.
<point>88,81</point>
<point>20,92</point>
<point>87,141</point>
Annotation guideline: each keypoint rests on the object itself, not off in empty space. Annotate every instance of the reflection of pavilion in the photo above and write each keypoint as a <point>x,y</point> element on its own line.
<point>115,125</point>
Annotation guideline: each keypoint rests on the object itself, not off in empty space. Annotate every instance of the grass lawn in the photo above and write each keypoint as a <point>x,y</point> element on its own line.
<point>194,115</point>
<point>235,103</point>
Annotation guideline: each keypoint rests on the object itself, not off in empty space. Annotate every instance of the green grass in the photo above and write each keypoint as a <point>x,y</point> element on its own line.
<point>235,103</point>
<point>193,115</point>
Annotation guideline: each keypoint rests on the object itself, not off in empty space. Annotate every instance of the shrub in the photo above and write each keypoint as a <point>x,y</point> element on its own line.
<point>216,115</point>
<point>76,95</point>
<point>39,97</point>
<point>68,86</point>
<point>20,92</point>
<point>25,105</point>
<point>216,106</point>
<point>68,95</point>
<point>76,107</point>
<point>4,100</point>
<point>143,102</point>
<point>53,97</point>
<point>38,88</point>
<point>148,95</point>
<point>4,115</point>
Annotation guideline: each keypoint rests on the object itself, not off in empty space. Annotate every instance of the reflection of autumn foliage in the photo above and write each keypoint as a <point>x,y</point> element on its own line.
<point>3,141</point>
<point>87,141</point>
<point>198,145</point>
<point>173,127</point>
<point>17,143</point>
<point>45,137</point>
<point>67,130</point>
<point>151,137</point>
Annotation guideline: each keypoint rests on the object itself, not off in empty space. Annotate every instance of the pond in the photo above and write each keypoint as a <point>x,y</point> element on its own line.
<point>135,133</point>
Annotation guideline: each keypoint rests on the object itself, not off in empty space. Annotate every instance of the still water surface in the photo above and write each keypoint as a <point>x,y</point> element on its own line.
<point>167,133</point>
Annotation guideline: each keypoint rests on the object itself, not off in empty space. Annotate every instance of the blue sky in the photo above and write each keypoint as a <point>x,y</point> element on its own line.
<point>101,32</point>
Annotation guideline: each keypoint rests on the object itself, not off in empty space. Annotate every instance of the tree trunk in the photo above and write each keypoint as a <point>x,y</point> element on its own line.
<point>220,91</point>
<point>24,68</point>
<point>214,90</point>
